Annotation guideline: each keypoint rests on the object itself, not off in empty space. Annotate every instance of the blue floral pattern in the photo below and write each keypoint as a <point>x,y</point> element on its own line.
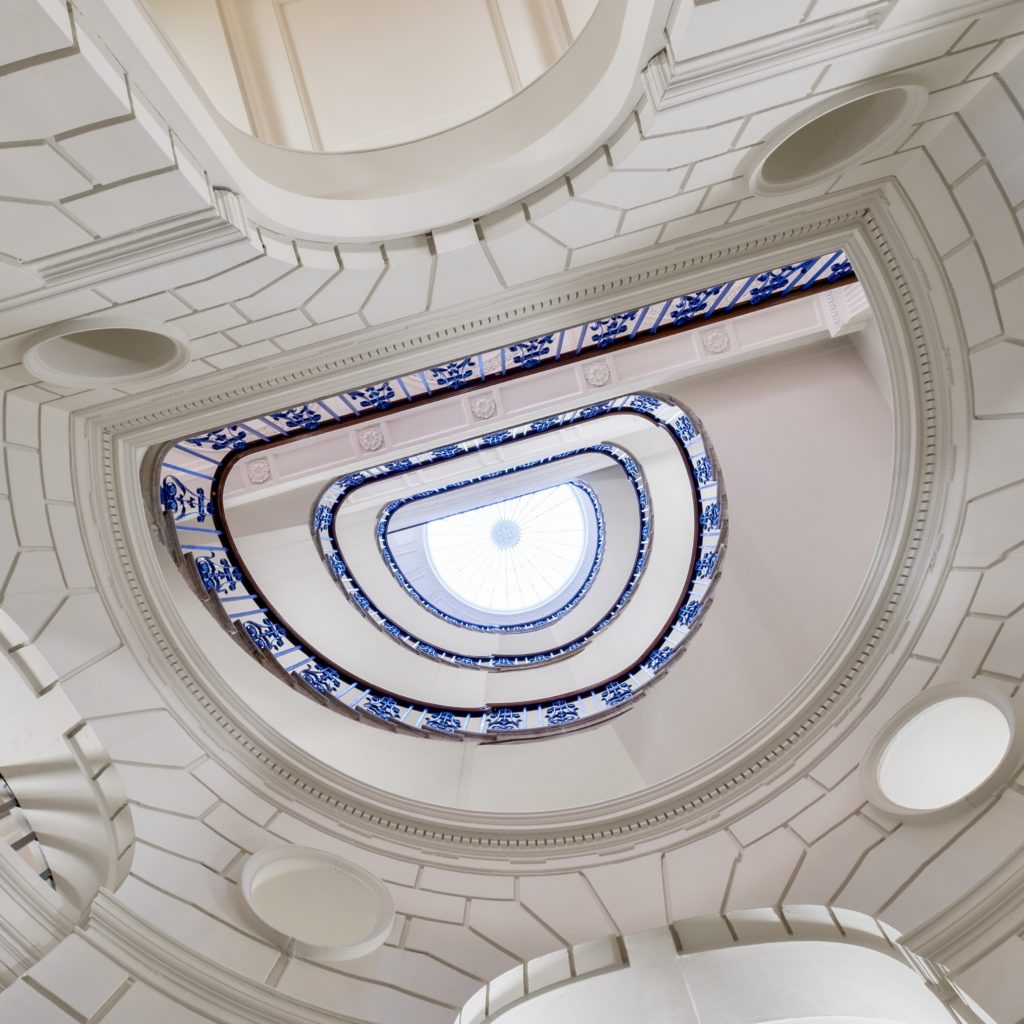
<point>688,613</point>
<point>322,518</point>
<point>528,354</point>
<point>302,417</point>
<point>604,332</point>
<point>374,396</point>
<point>616,693</point>
<point>452,375</point>
<point>703,471</point>
<point>504,720</point>
<point>266,635</point>
<point>182,501</point>
<point>711,516</point>
<point>218,575</point>
<point>233,438</point>
<point>443,721</point>
<point>321,678</point>
<point>658,659</point>
<point>383,707</point>
<point>561,712</point>
<point>706,564</point>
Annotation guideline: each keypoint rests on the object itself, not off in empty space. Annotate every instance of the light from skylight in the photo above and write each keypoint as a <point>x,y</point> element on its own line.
<point>513,555</point>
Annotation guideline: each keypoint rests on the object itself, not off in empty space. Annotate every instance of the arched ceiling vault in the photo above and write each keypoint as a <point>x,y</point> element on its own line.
<point>110,208</point>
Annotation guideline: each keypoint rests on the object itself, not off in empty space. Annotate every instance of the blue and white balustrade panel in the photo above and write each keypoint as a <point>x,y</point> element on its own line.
<point>628,327</point>
<point>191,471</point>
<point>225,580</point>
<point>325,513</point>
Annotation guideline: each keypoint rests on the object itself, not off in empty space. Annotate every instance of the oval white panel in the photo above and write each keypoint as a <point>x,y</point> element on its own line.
<point>316,903</point>
<point>843,132</point>
<point>944,753</point>
<point>100,350</point>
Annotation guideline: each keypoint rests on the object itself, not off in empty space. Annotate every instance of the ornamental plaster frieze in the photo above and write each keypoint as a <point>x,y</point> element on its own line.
<point>875,237</point>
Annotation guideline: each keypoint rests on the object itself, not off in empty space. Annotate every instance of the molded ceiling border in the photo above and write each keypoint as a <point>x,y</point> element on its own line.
<point>878,229</point>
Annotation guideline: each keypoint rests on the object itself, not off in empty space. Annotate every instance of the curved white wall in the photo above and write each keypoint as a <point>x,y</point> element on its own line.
<point>808,980</point>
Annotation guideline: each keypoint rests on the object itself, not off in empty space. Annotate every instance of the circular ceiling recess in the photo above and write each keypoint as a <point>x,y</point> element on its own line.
<point>834,136</point>
<point>942,749</point>
<point>513,555</point>
<point>316,904</point>
<point>106,350</point>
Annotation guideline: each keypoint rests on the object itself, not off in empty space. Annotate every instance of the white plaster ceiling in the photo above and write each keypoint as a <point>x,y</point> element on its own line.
<point>106,209</point>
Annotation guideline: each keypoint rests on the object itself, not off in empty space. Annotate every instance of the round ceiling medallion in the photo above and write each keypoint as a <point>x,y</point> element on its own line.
<point>833,136</point>
<point>949,746</point>
<point>316,904</point>
<point>106,350</point>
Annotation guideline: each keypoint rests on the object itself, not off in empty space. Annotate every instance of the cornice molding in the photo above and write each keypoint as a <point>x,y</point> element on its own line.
<point>672,81</point>
<point>524,311</point>
<point>206,986</point>
<point>40,904</point>
<point>176,237</point>
<point>987,914</point>
<point>914,525</point>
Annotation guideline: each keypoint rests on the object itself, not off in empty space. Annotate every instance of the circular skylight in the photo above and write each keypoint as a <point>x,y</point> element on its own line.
<point>943,753</point>
<point>513,555</point>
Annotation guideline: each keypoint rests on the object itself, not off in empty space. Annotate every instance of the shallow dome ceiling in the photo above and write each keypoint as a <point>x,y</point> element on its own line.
<point>817,415</point>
